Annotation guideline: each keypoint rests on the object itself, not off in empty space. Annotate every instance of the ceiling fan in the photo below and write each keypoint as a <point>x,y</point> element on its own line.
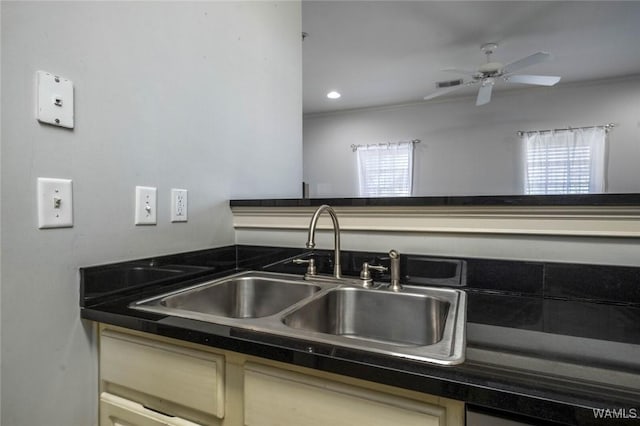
<point>489,73</point>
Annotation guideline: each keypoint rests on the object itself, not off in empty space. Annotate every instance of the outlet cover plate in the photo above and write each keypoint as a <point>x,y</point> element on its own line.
<point>55,203</point>
<point>55,100</point>
<point>145,210</point>
<point>178,205</point>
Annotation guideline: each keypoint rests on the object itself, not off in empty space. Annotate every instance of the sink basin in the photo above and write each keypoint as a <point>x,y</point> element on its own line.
<point>420,323</point>
<point>245,297</point>
<point>238,297</point>
<point>394,318</point>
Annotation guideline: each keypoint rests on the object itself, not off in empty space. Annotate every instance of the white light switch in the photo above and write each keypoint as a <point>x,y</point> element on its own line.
<point>145,205</point>
<point>178,205</point>
<point>55,100</point>
<point>55,203</point>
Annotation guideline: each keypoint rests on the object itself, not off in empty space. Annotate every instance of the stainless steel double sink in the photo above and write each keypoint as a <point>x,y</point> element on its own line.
<point>420,323</point>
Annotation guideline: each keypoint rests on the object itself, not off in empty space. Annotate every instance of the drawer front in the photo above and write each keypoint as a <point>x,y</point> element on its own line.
<point>278,397</point>
<point>116,411</point>
<point>187,377</point>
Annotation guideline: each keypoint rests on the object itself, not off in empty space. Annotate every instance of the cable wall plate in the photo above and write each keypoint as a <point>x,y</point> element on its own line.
<point>55,100</point>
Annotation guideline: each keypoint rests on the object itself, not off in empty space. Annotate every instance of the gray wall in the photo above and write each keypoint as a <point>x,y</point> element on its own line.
<point>0,214</point>
<point>469,150</point>
<point>202,96</point>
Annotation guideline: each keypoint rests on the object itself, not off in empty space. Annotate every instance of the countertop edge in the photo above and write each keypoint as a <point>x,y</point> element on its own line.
<point>603,200</point>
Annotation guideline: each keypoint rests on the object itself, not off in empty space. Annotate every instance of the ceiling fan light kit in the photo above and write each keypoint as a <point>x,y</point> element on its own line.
<point>488,73</point>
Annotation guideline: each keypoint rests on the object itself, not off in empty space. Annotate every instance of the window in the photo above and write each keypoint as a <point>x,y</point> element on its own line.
<point>385,170</point>
<point>565,161</point>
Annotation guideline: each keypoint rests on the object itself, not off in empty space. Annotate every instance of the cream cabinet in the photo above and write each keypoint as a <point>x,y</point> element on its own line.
<point>165,377</point>
<point>276,397</point>
<point>147,380</point>
<point>116,411</point>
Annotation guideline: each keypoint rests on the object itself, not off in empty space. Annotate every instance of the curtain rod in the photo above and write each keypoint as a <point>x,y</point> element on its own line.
<point>354,147</point>
<point>606,127</point>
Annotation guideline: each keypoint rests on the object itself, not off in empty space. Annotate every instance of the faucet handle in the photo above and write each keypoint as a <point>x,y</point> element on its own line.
<point>311,269</point>
<point>365,274</point>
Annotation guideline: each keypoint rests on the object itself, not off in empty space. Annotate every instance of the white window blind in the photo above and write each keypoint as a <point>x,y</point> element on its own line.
<point>565,161</point>
<point>385,170</point>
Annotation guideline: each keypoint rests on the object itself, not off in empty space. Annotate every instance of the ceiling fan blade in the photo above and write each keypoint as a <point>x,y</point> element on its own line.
<point>526,62</point>
<point>538,80</point>
<point>444,91</point>
<point>460,71</point>
<point>484,94</point>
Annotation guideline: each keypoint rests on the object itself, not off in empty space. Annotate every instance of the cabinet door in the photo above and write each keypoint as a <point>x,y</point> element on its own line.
<point>275,397</point>
<point>116,411</point>
<point>176,376</point>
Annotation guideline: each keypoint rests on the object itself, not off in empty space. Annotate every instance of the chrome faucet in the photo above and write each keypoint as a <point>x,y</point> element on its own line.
<point>336,235</point>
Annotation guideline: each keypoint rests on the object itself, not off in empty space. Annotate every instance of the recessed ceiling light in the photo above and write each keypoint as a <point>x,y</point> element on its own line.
<point>333,95</point>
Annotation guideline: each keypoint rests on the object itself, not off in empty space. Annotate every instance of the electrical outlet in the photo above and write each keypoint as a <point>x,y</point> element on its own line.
<point>178,205</point>
<point>145,213</point>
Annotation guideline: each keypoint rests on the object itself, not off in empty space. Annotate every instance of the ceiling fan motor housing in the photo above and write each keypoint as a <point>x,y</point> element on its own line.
<point>490,68</point>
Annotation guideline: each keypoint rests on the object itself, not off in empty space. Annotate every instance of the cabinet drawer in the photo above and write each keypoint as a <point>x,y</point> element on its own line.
<point>116,411</point>
<point>278,397</point>
<point>187,377</point>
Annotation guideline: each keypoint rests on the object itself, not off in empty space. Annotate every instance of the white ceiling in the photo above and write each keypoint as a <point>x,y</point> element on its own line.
<point>392,52</point>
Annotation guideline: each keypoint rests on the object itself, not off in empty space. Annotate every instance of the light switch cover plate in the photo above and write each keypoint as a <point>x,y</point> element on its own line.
<point>55,203</point>
<point>145,213</point>
<point>55,100</point>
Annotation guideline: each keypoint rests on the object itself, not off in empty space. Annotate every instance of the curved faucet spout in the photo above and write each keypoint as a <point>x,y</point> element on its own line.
<point>336,235</point>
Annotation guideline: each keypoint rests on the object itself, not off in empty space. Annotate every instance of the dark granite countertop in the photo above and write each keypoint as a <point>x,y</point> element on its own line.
<point>599,200</point>
<point>524,307</point>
